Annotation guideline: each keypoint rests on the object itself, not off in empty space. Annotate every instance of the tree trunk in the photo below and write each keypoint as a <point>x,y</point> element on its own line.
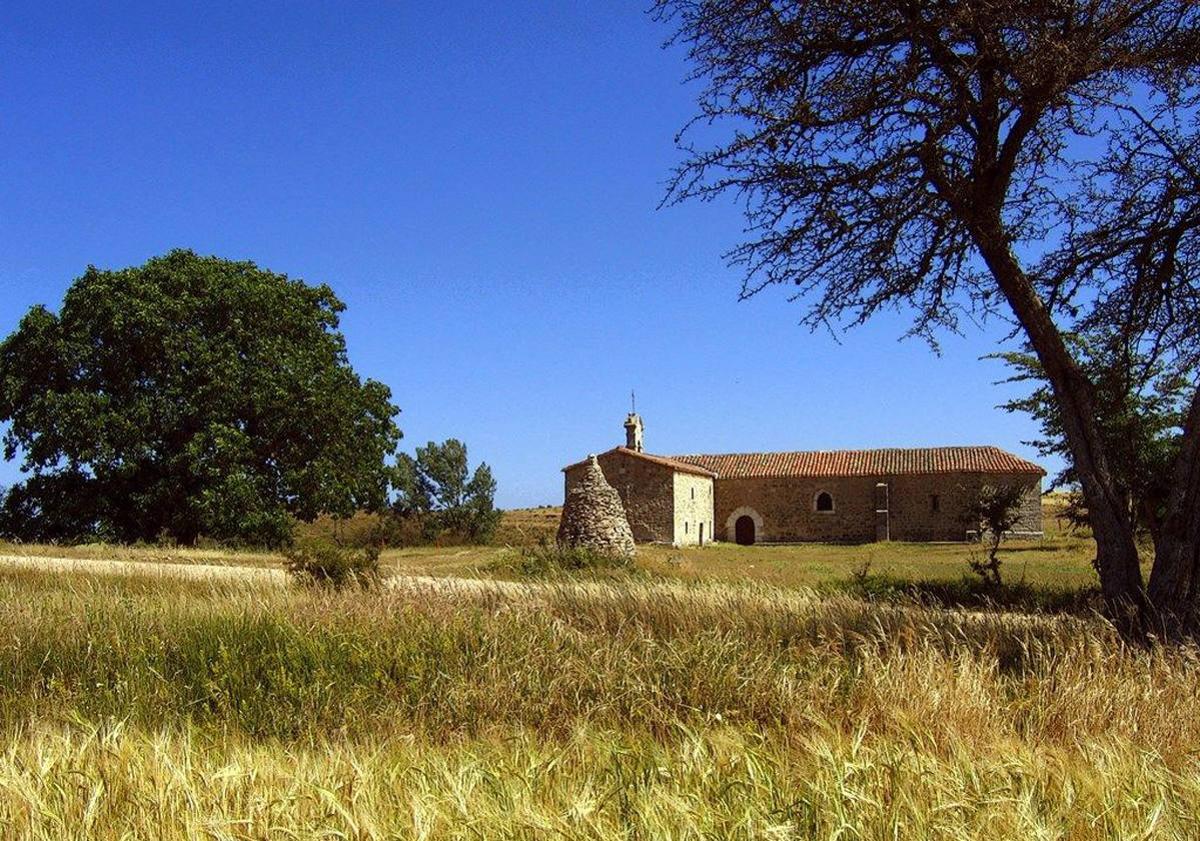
<point>1116,551</point>
<point>1148,507</point>
<point>1175,578</point>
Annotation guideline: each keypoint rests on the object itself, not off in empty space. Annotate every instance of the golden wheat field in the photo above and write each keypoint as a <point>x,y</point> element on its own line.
<point>642,706</point>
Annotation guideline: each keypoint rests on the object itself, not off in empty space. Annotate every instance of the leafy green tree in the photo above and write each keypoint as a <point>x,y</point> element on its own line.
<point>185,397</point>
<point>438,488</point>
<point>1141,408</point>
<point>993,511</point>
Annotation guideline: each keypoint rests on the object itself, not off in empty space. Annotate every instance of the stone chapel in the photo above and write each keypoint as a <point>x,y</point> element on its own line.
<point>850,496</point>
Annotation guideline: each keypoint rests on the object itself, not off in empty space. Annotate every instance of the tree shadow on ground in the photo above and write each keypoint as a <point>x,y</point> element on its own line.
<point>1047,546</point>
<point>973,593</point>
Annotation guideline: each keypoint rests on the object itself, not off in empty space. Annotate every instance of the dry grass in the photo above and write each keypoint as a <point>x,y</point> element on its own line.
<point>117,783</point>
<point>1059,561</point>
<point>527,526</point>
<point>145,553</point>
<point>637,709</point>
<point>1063,559</point>
<point>517,527</point>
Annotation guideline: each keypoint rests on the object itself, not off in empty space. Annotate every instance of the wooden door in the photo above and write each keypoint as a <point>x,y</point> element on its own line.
<point>743,530</point>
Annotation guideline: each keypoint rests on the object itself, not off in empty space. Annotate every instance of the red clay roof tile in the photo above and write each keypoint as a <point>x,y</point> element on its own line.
<point>887,462</point>
<point>665,461</point>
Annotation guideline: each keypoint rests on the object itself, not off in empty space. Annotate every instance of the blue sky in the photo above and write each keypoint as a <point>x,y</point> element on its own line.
<point>479,183</point>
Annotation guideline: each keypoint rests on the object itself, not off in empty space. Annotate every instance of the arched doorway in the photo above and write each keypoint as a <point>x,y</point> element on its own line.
<point>739,531</point>
<point>743,530</point>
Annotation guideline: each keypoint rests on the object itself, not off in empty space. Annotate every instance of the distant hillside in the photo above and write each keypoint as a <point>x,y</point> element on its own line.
<point>525,526</point>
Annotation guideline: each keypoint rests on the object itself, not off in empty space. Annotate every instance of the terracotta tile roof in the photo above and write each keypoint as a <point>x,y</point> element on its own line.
<point>889,462</point>
<point>665,461</point>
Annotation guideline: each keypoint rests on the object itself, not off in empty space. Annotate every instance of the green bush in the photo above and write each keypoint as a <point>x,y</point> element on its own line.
<point>328,565</point>
<point>548,558</point>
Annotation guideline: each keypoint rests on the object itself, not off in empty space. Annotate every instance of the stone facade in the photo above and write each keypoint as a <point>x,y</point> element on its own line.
<point>784,509</point>
<point>844,496</point>
<point>593,516</point>
<point>694,501</point>
<point>664,502</point>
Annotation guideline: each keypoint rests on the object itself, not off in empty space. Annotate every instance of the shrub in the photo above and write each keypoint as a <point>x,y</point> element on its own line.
<point>328,565</point>
<point>993,512</point>
<point>551,559</point>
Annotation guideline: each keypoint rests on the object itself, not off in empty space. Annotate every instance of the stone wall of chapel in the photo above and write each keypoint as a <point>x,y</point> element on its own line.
<point>913,516</point>
<point>647,491</point>
<point>693,508</point>
<point>788,506</point>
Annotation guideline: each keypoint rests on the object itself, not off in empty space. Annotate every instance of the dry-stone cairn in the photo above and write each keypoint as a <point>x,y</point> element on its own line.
<point>593,516</point>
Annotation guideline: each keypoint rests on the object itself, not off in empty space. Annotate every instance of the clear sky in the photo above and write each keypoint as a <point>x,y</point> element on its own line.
<point>479,182</point>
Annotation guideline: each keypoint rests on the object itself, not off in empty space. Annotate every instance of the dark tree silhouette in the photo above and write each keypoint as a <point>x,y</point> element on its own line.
<point>190,396</point>
<point>1035,160</point>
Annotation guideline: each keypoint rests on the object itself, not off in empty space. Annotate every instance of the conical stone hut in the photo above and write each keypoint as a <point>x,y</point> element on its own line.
<point>593,516</point>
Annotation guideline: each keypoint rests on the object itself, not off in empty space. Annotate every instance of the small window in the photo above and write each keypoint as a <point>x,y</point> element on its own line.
<point>935,503</point>
<point>693,493</point>
<point>824,501</point>
<point>685,527</point>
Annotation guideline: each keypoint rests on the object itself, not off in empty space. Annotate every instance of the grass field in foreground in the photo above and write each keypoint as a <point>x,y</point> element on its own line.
<point>137,708</point>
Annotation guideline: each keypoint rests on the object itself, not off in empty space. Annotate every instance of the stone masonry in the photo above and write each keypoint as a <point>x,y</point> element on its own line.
<point>917,508</point>
<point>665,501</point>
<point>593,516</point>
<point>694,499</point>
<point>839,496</point>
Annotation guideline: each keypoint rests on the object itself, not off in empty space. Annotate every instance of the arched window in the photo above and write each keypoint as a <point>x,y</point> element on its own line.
<point>824,501</point>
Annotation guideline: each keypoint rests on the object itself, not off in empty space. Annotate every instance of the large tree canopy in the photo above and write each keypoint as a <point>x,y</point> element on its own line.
<point>1037,160</point>
<point>189,396</point>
